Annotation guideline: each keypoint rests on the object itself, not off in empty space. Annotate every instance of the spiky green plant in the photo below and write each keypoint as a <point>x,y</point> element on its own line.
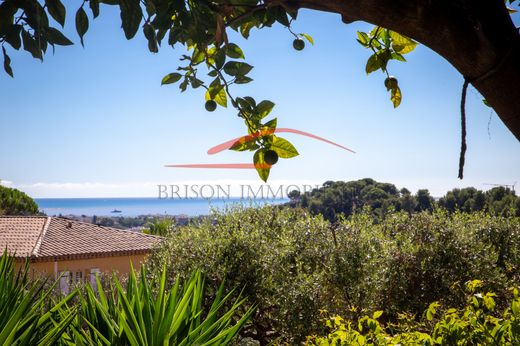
<point>139,316</point>
<point>25,318</point>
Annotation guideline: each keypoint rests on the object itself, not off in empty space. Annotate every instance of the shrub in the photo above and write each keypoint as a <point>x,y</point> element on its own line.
<point>293,264</point>
<point>477,323</point>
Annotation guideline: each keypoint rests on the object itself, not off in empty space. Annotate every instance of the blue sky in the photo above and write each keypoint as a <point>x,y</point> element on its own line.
<point>95,121</point>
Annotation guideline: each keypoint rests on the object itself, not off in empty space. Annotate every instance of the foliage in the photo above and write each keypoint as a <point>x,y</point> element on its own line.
<point>346,198</point>
<point>211,62</point>
<point>138,316</point>
<point>160,227</point>
<point>15,202</point>
<point>293,264</point>
<point>477,323</point>
<point>33,315</point>
<point>24,316</point>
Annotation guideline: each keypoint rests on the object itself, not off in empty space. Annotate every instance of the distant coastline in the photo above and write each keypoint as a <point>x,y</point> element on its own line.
<point>135,207</point>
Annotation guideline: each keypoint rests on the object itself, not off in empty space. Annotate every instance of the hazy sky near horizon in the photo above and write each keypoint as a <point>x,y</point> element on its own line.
<point>95,122</point>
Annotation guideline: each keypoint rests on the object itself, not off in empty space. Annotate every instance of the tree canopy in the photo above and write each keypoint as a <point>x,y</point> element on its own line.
<point>15,202</point>
<point>477,38</point>
<point>347,198</point>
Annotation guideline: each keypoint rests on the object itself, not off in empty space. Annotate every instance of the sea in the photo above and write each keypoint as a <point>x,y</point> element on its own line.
<point>133,207</point>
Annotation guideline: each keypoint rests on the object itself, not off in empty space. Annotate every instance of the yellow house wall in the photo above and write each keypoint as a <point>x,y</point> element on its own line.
<point>117,264</point>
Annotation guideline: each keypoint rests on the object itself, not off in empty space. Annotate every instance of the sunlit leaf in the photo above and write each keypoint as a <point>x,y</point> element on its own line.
<point>171,78</point>
<point>396,96</point>
<point>261,166</point>
<point>233,51</point>
<point>402,44</point>
<point>283,148</point>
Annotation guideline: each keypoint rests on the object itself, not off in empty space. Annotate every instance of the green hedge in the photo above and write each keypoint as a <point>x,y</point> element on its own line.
<point>293,264</point>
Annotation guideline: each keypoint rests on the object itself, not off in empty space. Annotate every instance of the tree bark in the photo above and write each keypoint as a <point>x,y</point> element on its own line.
<point>477,37</point>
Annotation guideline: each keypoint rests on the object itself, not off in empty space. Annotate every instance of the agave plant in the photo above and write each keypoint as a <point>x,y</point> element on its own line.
<point>25,318</point>
<point>138,316</point>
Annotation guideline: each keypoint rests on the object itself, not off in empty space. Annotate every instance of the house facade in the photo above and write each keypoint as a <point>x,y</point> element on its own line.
<point>70,250</point>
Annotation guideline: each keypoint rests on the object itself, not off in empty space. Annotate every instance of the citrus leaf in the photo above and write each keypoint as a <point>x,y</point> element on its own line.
<point>264,108</point>
<point>131,15</point>
<point>81,23</point>
<point>283,148</point>
<point>56,10</point>
<point>233,51</point>
<point>396,96</point>
<point>7,63</point>
<point>54,36</point>
<point>236,68</point>
<point>171,78</point>
<point>218,94</point>
<point>29,44</point>
<point>308,38</point>
<point>373,64</point>
<point>261,166</point>
<point>94,6</point>
<point>363,38</point>
<point>402,44</point>
<point>271,124</point>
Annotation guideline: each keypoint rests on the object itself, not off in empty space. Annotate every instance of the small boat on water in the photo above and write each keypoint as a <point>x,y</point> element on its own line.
<point>116,211</point>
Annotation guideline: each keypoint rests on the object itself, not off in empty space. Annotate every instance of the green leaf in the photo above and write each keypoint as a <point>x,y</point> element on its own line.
<point>13,36</point>
<point>402,44</point>
<point>149,34</point>
<point>94,6</point>
<point>373,63</point>
<point>29,44</point>
<point>7,63</point>
<point>264,108</point>
<point>396,96</point>
<point>261,166</point>
<point>243,80</point>
<point>56,10</point>
<point>81,23</point>
<point>171,78</point>
<point>218,94</point>
<point>363,38</point>
<point>244,144</point>
<point>271,124</point>
<point>236,68</point>
<point>131,15</point>
<point>308,38</point>
<point>397,56</point>
<point>54,36</point>
<point>234,52</point>
<point>281,16</point>
<point>283,148</point>
<point>377,314</point>
<point>245,29</point>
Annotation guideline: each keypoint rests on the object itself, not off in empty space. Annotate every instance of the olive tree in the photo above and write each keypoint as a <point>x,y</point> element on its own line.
<point>478,38</point>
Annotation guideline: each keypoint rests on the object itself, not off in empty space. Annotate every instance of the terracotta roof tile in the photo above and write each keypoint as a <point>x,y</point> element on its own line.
<point>42,237</point>
<point>20,234</point>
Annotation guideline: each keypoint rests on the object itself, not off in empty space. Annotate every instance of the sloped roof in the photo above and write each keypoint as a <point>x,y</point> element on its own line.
<point>52,238</point>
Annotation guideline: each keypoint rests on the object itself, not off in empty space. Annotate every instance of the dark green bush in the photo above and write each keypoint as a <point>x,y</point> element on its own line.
<point>293,264</point>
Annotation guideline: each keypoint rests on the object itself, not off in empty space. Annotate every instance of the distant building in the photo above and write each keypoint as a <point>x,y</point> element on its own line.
<point>76,251</point>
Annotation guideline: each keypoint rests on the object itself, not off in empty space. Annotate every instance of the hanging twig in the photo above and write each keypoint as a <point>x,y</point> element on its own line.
<point>463,146</point>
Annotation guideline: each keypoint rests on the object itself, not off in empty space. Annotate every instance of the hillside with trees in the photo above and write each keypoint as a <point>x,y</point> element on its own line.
<point>346,198</point>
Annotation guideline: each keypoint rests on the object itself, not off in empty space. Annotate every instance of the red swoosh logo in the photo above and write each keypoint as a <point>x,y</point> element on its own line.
<point>226,145</point>
<point>244,139</point>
